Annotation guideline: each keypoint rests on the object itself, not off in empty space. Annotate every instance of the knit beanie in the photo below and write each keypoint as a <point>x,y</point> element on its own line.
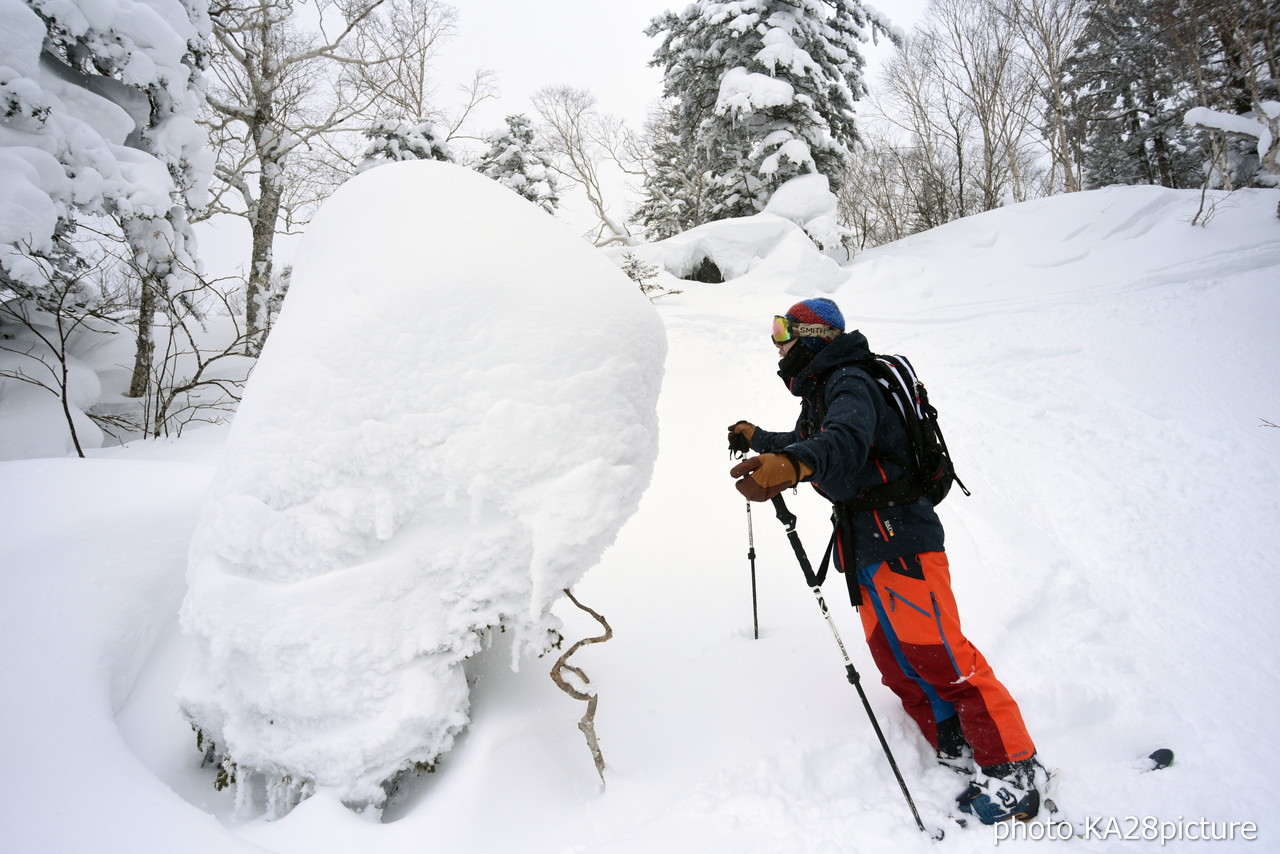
<point>817,310</point>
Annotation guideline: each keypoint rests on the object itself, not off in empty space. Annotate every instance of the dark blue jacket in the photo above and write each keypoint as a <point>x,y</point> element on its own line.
<point>856,419</point>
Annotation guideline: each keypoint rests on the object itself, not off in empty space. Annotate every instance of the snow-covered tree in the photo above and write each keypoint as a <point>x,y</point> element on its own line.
<point>1126,94</point>
<point>675,179</point>
<point>519,162</point>
<point>392,139</point>
<point>1234,48</point>
<point>336,662</point>
<point>765,89</point>
<point>99,128</point>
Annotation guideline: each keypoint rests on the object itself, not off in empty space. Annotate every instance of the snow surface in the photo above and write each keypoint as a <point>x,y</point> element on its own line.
<point>1103,370</point>
<point>429,448</point>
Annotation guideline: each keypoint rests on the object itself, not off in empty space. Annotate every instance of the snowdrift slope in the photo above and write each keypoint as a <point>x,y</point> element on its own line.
<point>1103,370</point>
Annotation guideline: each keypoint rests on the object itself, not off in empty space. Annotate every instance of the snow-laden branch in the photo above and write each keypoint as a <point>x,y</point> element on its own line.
<point>1263,125</point>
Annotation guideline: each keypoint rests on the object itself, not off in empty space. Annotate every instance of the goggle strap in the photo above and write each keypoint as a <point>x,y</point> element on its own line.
<point>814,330</point>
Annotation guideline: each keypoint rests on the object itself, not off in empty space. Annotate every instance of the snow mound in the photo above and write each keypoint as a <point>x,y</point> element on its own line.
<point>807,201</point>
<point>452,419</point>
<point>764,248</point>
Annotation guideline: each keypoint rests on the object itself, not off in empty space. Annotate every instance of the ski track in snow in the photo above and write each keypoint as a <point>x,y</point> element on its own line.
<point>1114,563</point>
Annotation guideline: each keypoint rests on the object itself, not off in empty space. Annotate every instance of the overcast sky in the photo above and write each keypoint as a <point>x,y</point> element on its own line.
<point>588,44</point>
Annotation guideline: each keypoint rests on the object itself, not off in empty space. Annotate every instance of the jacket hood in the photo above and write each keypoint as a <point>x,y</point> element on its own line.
<point>852,346</point>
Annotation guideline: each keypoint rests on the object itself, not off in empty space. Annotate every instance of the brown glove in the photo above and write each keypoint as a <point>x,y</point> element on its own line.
<point>740,437</point>
<point>763,477</point>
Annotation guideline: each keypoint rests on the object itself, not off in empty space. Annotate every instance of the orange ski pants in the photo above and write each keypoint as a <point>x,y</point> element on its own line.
<point>913,630</point>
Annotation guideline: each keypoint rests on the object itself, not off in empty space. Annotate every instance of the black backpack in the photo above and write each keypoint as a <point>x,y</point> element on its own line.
<point>930,472</point>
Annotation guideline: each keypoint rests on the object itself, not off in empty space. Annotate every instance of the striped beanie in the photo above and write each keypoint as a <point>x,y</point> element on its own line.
<point>817,310</point>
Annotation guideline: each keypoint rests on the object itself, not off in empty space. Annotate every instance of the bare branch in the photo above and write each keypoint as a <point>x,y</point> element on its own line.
<point>577,134</point>
<point>62,306</point>
<point>483,87</point>
<point>587,724</point>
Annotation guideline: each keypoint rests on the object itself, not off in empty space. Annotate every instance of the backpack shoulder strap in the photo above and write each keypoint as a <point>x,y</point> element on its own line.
<point>901,385</point>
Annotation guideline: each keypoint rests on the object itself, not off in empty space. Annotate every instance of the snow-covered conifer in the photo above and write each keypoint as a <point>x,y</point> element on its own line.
<point>519,162</point>
<point>765,89</point>
<point>392,139</point>
<point>1140,65</point>
<point>675,182</point>
<point>1126,88</point>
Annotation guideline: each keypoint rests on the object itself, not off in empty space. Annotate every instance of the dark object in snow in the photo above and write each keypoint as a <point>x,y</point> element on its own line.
<point>1160,758</point>
<point>707,272</point>
<point>1010,794</point>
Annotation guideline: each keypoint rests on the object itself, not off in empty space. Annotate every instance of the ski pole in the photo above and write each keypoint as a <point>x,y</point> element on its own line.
<point>788,520</point>
<point>751,556</point>
<point>738,447</point>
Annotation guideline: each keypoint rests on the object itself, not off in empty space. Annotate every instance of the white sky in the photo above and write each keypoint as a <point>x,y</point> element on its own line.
<point>587,44</point>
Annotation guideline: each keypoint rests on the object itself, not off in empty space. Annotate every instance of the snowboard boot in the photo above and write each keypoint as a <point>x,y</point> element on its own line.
<point>1010,790</point>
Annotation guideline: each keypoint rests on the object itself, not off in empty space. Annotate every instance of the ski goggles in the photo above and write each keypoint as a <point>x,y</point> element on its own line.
<point>784,329</point>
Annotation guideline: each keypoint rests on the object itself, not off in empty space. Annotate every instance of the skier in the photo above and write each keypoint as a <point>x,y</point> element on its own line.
<point>845,442</point>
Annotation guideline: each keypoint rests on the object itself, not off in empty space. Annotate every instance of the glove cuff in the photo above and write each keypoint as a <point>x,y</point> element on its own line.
<point>803,472</point>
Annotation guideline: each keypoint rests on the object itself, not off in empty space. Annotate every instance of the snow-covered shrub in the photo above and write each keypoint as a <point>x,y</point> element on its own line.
<point>453,416</point>
<point>393,139</point>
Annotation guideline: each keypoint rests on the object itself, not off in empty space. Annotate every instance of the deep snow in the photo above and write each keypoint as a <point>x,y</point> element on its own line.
<point>1103,369</point>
